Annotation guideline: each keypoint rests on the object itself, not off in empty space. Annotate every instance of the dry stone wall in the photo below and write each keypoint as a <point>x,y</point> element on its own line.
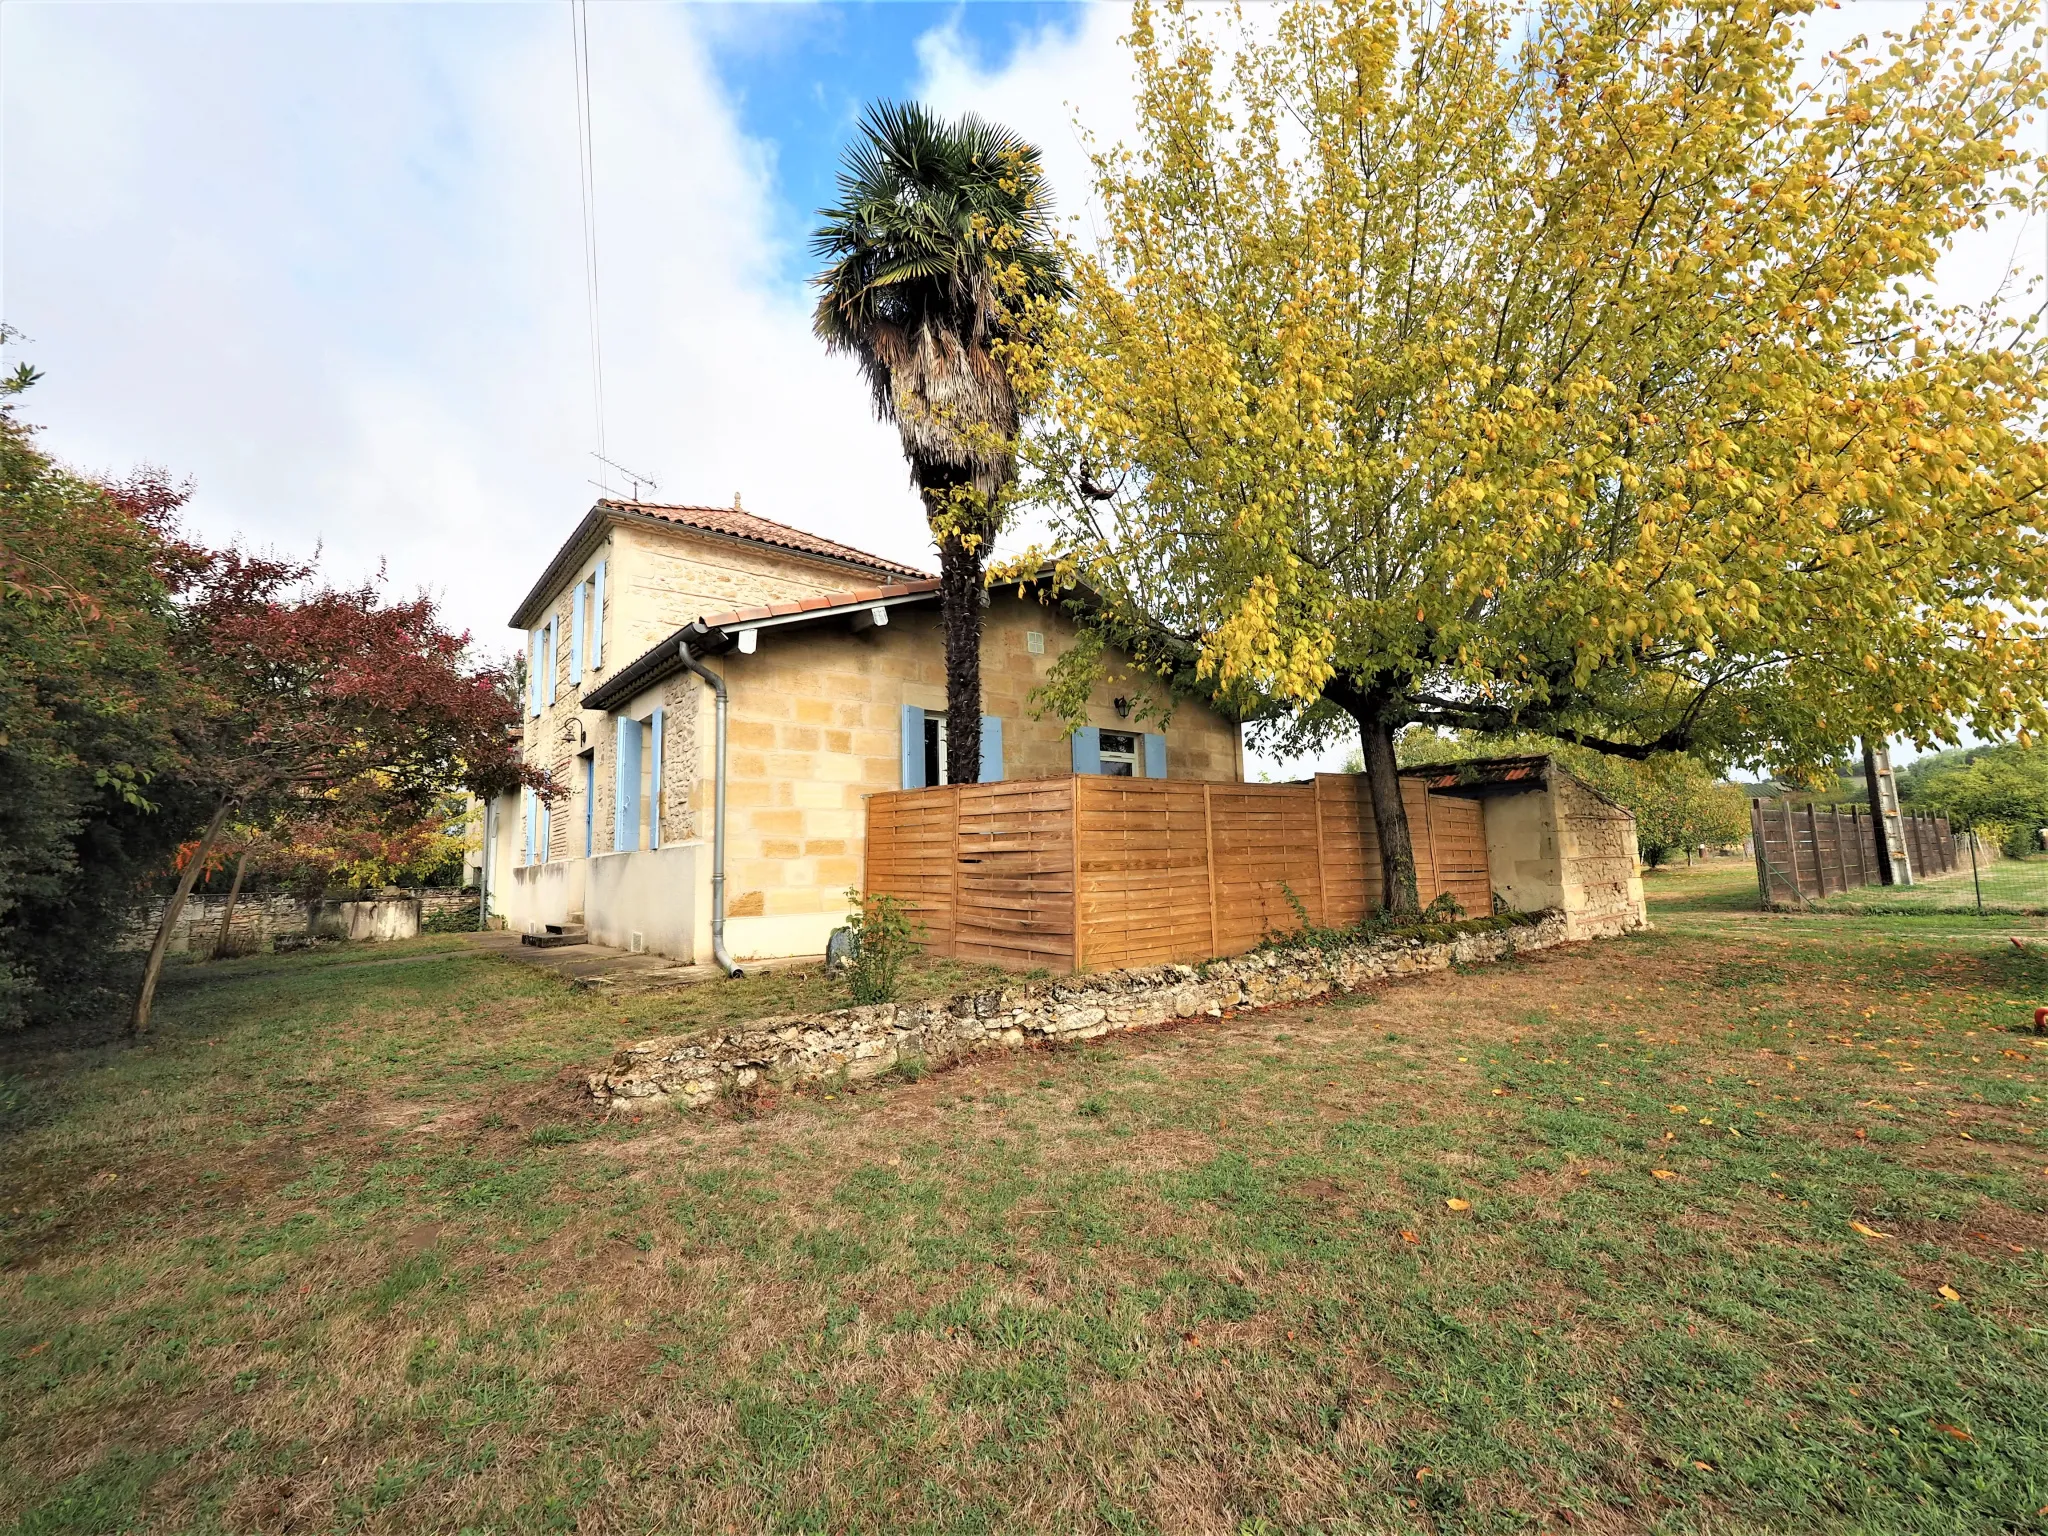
<point>686,1070</point>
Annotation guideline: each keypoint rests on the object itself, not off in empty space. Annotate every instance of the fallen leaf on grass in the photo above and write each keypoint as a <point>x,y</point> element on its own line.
<point>1704,1466</point>
<point>29,1353</point>
<point>1857,1226</point>
<point>1409,1237</point>
<point>1458,1205</point>
<point>1662,1173</point>
<point>1950,1429</point>
<point>1948,1293</point>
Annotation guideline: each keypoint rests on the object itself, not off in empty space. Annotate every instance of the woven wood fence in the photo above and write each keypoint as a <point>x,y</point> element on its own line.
<point>1096,873</point>
<point>1804,853</point>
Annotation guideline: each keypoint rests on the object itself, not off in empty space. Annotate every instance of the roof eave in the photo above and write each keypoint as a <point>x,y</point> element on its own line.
<point>664,659</point>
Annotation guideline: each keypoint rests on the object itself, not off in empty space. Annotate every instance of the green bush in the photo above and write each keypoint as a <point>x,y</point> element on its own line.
<point>884,936</point>
<point>460,919</point>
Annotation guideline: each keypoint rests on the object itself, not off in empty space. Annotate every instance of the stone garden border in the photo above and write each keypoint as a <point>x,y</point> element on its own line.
<point>689,1070</point>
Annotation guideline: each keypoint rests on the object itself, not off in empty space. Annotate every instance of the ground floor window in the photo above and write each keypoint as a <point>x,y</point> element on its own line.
<point>1120,754</point>
<point>935,749</point>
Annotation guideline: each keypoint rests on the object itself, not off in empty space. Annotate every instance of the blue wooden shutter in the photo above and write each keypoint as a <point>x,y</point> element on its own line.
<point>1088,750</point>
<point>597,617</point>
<point>1155,755</point>
<point>589,804</point>
<point>546,831</point>
<point>913,747</point>
<point>548,640</point>
<point>654,780</point>
<point>576,635</point>
<point>626,788</point>
<point>533,673</point>
<point>991,749</point>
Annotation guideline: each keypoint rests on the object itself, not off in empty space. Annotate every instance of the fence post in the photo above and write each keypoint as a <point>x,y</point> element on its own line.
<point>1209,860</point>
<point>1756,838</point>
<point>1792,852</point>
<point>957,838</point>
<point>1820,868</point>
<point>1842,859</point>
<point>1074,839</point>
<point>1322,864</point>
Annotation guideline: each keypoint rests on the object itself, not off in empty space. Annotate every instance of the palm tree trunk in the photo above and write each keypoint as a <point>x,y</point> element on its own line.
<point>960,600</point>
<point>138,1022</point>
<point>227,918</point>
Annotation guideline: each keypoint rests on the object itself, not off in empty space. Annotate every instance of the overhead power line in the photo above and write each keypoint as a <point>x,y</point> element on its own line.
<point>579,37</point>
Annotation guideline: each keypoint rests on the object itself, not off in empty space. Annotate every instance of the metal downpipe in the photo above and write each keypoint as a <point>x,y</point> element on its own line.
<point>719,956</point>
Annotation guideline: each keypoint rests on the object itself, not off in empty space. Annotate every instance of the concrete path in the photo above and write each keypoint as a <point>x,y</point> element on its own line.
<point>601,965</point>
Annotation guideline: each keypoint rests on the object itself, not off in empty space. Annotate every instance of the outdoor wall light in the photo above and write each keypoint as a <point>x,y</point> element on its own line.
<point>1123,709</point>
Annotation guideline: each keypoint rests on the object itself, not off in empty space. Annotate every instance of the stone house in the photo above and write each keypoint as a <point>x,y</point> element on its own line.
<point>833,664</point>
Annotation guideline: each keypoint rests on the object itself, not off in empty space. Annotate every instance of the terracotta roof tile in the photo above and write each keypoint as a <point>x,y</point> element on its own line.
<point>744,525</point>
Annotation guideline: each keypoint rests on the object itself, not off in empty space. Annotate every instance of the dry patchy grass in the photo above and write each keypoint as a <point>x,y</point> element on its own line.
<point>342,1249</point>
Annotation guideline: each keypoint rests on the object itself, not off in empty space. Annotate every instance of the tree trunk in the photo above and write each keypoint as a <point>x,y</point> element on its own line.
<point>1389,813</point>
<point>138,1022</point>
<point>960,600</point>
<point>227,918</point>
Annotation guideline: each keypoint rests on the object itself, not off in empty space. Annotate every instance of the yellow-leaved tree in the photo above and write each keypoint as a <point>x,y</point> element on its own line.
<point>1572,368</point>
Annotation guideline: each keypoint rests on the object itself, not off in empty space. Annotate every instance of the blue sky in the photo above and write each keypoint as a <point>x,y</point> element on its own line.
<point>799,75</point>
<point>326,259</point>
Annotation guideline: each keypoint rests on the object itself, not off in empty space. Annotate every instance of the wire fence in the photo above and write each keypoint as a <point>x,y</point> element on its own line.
<point>1985,881</point>
<point>1827,859</point>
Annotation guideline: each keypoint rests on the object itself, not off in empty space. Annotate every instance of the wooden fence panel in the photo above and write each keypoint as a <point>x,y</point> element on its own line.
<point>1014,890</point>
<point>912,853</point>
<point>1803,855</point>
<point>1351,849</point>
<point>1144,867</point>
<point>1264,839</point>
<point>1457,826</point>
<point>1099,872</point>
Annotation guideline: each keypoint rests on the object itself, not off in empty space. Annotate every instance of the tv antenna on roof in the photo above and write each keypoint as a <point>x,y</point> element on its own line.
<point>633,475</point>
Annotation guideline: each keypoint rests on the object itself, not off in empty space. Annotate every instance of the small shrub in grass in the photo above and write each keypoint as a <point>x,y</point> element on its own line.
<point>884,936</point>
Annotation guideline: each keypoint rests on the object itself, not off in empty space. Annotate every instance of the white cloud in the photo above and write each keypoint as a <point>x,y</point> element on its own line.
<point>327,260</point>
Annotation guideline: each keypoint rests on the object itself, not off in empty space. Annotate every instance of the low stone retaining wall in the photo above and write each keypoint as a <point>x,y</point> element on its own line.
<point>265,918</point>
<point>861,1042</point>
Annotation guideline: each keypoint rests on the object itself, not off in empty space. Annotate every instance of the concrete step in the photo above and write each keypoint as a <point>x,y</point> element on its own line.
<point>554,937</point>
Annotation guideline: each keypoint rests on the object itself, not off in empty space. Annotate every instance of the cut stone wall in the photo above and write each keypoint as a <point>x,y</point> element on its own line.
<point>686,1070</point>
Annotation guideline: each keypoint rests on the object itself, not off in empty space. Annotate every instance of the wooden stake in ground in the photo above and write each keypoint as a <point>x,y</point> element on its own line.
<point>138,1022</point>
<point>227,918</point>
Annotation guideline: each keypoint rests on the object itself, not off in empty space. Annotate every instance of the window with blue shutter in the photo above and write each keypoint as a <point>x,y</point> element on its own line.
<point>913,747</point>
<point>991,749</point>
<point>1155,755</point>
<point>1088,750</point>
<point>548,661</point>
<point>576,634</point>
<point>654,780</point>
<point>597,617</point>
<point>626,788</point>
<point>546,833</point>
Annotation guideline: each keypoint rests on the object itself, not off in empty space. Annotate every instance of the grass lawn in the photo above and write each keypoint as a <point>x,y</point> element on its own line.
<point>1588,1242</point>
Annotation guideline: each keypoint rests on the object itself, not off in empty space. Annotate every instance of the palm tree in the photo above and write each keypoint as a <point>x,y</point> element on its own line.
<point>938,242</point>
